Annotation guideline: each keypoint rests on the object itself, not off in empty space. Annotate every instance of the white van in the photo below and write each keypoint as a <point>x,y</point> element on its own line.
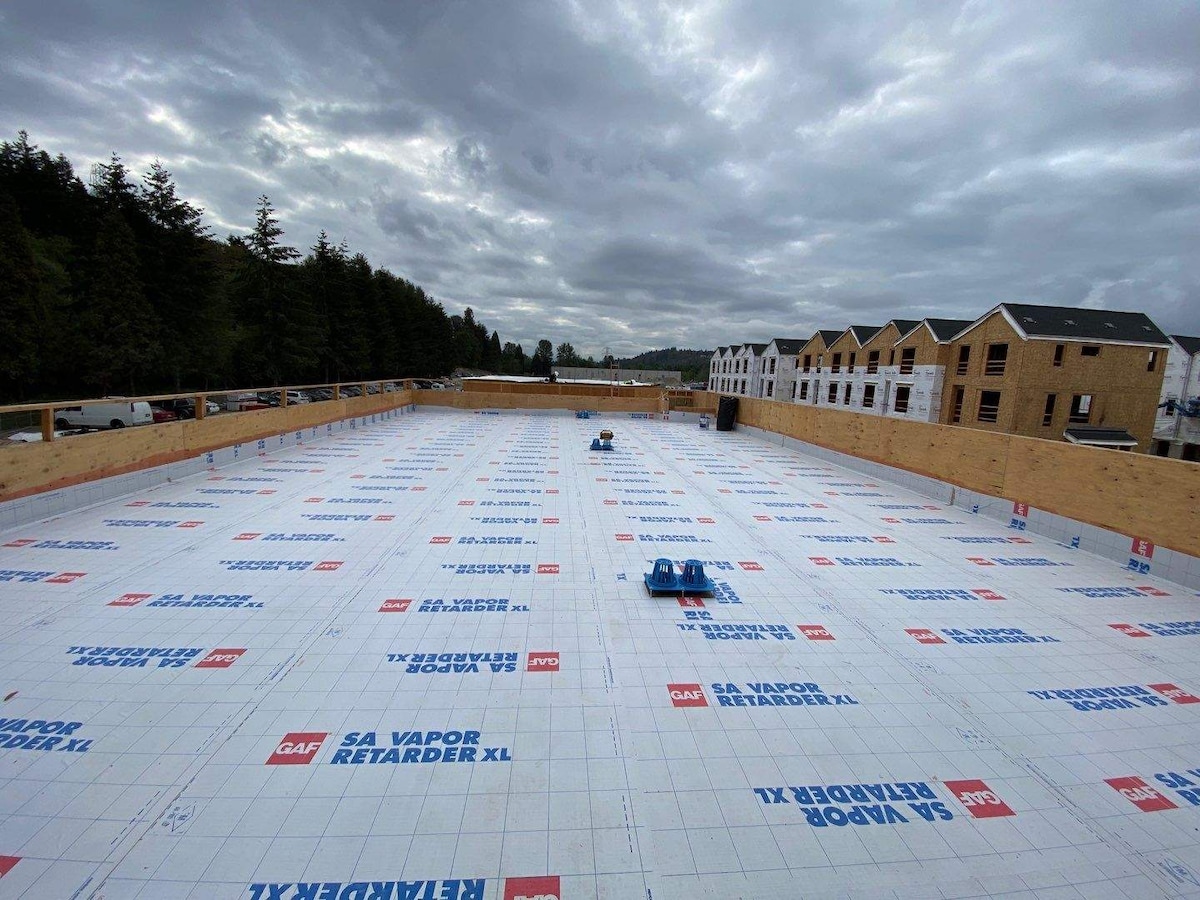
<point>118,414</point>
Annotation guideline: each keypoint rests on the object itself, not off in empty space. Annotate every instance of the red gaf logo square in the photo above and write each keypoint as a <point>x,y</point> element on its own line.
<point>466,502</point>
<point>691,602</point>
<point>315,500</point>
<point>419,487</point>
<point>440,539</point>
<point>925,635</point>
<point>724,491</point>
<point>547,568</point>
<point>624,537</point>
<point>706,520</point>
<point>139,503</point>
<point>980,560</point>
<point>268,491</point>
<point>550,520</point>
<point>820,506</point>
<point>395,605</point>
<point>552,471</point>
<point>297,748</point>
<point>1177,694</point>
<point>1140,794</point>
<point>987,594</point>
<point>130,599</point>
<point>442,469</point>
<point>602,479</point>
<point>610,502</point>
<point>687,695</point>
<point>979,799</point>
<point>816,632</point>
<point>328,565</point>
<point>1019,540</point>
<point>677,492</point>
<point>891,520</point>
<point>65,577</point>
<point>358,476</point>
<point>7,863</point>
<point>384,519</point>
<point>21,542</point>
<point>1153,591</point>
<point>1020,509</point>
<point>551,490</point>
<point>883,539</point>
<point>248,535</point>
<point>751,566</point>
<point>221,658</point>
<point>543,661</point>
<point>1142,547</point>
<point>820,560</point>
<point>1129,630</point>
<point>192,524</point>
<point>762,518</point>
<point>544,887</point>
<point>484,478</point>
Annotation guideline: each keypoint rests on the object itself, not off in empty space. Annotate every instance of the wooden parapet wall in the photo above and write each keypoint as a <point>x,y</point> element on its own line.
<point>1147,496</point>
<point>27,469</point>
<point>534,400</point>
<point>561,389</point>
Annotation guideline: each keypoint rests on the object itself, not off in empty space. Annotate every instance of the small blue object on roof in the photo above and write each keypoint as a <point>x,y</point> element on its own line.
<point>583,414</point>
<point>704,421</point>
<point>663,577</point>
<point>604,442</point>
<point>693,580</point>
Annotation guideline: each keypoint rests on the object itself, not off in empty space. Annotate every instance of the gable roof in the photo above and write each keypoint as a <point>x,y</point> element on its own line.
<point>1190,345</point>
<point>829,336</point>
<point>904,326</point>
<point>788,346</point>
<point>720,351</point>
<point>863,333</point>
<point>1071,323</point>
<point>945,329</point>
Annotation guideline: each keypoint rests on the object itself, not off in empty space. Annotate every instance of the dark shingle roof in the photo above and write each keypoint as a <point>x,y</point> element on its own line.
<point>1085,324</point>
<point>904,326</point>
<point>863,333</point>
<point>721,350</point>
<point>789,345</point>
<point>757,348</point>
<point>830,336</point>
<point>1190,345</point>
<point>944,329</point>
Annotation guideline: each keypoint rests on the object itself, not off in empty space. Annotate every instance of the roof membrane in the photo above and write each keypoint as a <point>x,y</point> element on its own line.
<point>417,660</point>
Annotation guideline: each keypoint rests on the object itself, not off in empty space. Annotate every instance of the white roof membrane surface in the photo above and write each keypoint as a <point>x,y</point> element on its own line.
<point>417,661</point>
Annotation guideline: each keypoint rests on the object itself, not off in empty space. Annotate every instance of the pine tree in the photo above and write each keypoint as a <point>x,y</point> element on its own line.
<point>20,354</point>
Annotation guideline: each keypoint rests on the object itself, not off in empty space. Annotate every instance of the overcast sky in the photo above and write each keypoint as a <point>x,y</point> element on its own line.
<point>639,175</point>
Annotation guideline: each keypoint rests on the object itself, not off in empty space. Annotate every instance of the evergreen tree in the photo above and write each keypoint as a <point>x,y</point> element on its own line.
<point>492,353</point>
<point>20,355</point>
<point>543,359</point>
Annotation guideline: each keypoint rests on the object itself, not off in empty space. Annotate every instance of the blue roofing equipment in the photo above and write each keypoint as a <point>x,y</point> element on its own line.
<point>693,580</point>
<point>704,421</point>
<point>583,414</point>
<point>663,577</point>
<point>604,442</point>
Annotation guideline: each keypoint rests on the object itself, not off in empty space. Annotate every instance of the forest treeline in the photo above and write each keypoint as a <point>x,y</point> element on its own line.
<point>118,286</point>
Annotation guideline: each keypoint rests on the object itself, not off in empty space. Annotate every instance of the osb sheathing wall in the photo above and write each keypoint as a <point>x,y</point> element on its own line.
<point>479,400</point>
<point>27,469</point>
<point>1144,496</point>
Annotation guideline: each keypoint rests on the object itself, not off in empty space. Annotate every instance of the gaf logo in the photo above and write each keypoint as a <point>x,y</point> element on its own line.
<point>987,594</point>
<point>440,539</point>
<point>248,535</point>
<point>547,568</point>
<point>979,799</point>
<point>1143,548</point>
<point>1129,630</point>
<point>687,695</point>
<point>815,632</point>
<point>384,518</point>
<point>1176,694</point>
<point>65,577</point>
<point>328,565</point>
<point>542,888</point>
<point>751,566</point>
<point>130,599</point>
<point>705,520</point>
<point>297,748</point>
<point>466,502</point>
<point>624,537</point>
<point>1140,794</point>
<point>925,636</point>
<point>550,520</point>
<point>820,560</point>
<point>1021,509</point>
<point>543,661</point>
<point>6,864</point>
<point>395,605</point>
<point>692,602</point>
<point>221,658</point>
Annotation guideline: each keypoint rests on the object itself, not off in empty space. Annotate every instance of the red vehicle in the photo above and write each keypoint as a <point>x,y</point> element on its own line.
<point>163,415</point>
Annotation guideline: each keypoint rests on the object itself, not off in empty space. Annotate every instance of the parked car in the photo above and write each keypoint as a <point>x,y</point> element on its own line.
<point>118,414</point>
<point>185,407</point>
<point>163,415</point>
<point>351,390</point>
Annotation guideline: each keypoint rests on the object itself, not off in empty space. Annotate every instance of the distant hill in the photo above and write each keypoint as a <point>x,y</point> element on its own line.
<point>692,363</point>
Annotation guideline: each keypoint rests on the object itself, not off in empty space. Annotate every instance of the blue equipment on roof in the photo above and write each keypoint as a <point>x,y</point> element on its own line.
<point>693,580</point>
<point>663,577</point>
<point>604,442</point>
<point>583,414</point>
<point>663,580</point>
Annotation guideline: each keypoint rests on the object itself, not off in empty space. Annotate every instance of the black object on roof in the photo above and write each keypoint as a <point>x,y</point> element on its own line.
<point>1085,324</point>
<point>787,346</point>
<point>904,326</point>
<point>757,348</point>
<point>863,333</point>
<point>1099,436</point>
<point>1190,345</point>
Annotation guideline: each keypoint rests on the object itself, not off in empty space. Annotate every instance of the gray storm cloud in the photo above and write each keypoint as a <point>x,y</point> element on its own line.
<point>641,175</point>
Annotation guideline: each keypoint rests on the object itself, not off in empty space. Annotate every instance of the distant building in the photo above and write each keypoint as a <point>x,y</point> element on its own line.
<point>1082,375</point>
<point>779,368</point>
<point>1177,426</point>
<point>598,373</point>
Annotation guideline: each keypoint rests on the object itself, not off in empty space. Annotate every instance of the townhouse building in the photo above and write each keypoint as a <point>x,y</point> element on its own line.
<point>1081,375</point>
<point>1177,425</point>
<point>779,359</point>
<point>1088,376</point>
